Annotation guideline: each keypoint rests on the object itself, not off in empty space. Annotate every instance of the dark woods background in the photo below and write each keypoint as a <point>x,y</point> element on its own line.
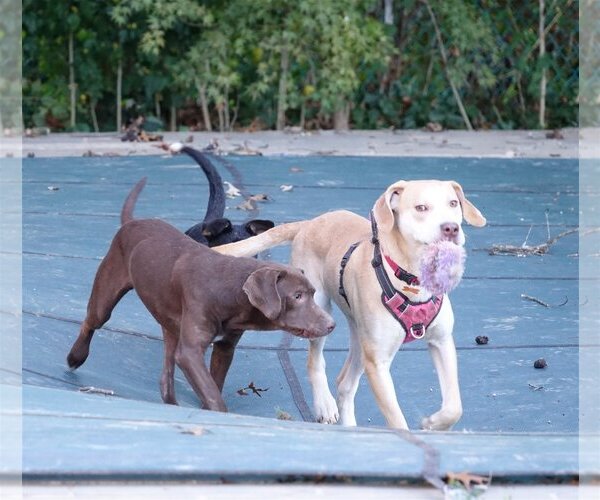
<point>270,64</point>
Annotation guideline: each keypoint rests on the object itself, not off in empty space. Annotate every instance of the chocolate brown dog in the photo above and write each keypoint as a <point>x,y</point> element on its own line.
<point>197,296</point>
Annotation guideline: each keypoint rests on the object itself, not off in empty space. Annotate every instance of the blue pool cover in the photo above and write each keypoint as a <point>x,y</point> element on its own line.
<point>518,421</point>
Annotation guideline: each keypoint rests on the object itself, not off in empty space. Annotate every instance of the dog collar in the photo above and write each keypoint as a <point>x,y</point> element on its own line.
<point>401,274</point>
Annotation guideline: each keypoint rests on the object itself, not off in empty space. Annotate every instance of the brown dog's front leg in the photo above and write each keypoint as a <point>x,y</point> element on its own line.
<point>189,356</point>
<point>222,356</point>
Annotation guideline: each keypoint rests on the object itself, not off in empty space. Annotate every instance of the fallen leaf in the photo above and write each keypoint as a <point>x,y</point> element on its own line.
<point>434,127</point>
<point>232,191</point>
<point>466,479</point>
<point>282,415</point>
<point>259,197</point>
<point>193,431</point>
<point>247,205</point>
<point>256,390</point>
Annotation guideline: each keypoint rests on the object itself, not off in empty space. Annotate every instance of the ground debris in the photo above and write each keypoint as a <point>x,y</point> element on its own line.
<point>282,414</point>
<point>231,191</point>
<point>251,387</point>
<point>541,302</point>
<point>96,390</point>
<point>525,250</point>
<point>248,205</point>
<point>536,387</point>
<point>261,197</point>
<point>246,150</point>
<point>195,430</point>
<point>465,485</point>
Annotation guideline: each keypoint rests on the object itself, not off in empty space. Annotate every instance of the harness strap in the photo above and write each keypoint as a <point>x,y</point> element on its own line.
<point>414,317</point>
<point>400,273</point>
<point>343,263</point>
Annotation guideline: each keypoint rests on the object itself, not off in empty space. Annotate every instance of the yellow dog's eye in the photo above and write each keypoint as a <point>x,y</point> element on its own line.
<point>454,203</point>
<point>421,208</point>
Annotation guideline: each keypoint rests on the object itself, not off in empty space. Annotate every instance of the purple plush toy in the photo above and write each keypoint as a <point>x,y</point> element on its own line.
<point>442,265</point>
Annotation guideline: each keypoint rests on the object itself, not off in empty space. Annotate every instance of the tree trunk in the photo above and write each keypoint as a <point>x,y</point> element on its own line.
<point>119,94</point>
<point>282,95</point>
<point>93,103</point>
<point>157,109</point>
<point>438,34</point>
<point>302,115</point>
<point>204,106</point>
<point>235,112</point>
<point>388,12</point>
<point>72,84</point>
<point>173,122</point>
<point>341,117</point>
<point>542,54</point>
<point>226,109</point>
<point>220,115</point>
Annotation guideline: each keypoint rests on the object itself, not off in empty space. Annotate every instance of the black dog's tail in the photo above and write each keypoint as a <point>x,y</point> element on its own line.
<point>216,197</point>
<point>127,210</point>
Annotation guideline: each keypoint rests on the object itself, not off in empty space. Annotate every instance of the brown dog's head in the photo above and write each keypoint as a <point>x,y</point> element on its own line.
<point>286,298</point>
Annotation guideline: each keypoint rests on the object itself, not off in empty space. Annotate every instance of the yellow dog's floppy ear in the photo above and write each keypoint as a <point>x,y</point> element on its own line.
<point>470,212</point>
<point>383,209</point>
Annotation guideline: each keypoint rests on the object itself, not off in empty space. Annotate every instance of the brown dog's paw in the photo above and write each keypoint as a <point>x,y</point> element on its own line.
<point>75,359</point>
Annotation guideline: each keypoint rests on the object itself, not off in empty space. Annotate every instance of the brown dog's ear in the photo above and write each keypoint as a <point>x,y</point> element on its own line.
<point>261,289</point>
<point>383,208</point>
<point>470,212</point>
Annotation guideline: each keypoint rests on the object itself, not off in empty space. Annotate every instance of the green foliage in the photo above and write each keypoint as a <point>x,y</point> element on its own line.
<point>492,50</point>
<point>308,59</point>
<point>10,65</point>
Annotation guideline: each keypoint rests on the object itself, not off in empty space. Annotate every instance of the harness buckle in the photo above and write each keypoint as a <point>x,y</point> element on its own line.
<point>417,331</point>
<point>396,303</point>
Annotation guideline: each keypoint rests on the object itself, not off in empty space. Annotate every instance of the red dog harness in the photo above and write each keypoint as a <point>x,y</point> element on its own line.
<point>415,317</point>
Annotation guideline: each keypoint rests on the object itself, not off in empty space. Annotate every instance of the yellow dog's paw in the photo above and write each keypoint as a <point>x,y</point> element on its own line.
<point>441,420</point>
<point>326,410</point>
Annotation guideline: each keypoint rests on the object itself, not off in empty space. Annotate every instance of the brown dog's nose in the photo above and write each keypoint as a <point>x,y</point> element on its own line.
<point>449,230</point>
<point>331,327</point>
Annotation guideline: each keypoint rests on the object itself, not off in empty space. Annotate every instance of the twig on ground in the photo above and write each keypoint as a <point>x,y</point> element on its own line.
<point>253,388</point>
<point>541,302</point>
<point>541,249</point>
<point>96,390</point>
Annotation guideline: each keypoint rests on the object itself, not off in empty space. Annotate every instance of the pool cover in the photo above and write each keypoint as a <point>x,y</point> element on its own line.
<point>518,421</point>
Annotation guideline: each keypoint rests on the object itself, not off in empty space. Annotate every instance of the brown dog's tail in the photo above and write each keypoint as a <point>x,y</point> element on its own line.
<point>271,238</point>
<point>127,210</point>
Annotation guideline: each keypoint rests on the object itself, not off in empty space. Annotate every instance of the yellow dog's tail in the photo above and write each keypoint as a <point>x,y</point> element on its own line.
<point>278,235</point>
<point>127,210</point>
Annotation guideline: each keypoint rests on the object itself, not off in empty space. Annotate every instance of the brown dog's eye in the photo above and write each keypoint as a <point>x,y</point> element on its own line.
<point>421,208</point>
<point>298,295</point>
<point>454,203</point>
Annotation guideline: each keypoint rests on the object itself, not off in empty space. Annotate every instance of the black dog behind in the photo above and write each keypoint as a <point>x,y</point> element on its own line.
<point>215,229</point>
